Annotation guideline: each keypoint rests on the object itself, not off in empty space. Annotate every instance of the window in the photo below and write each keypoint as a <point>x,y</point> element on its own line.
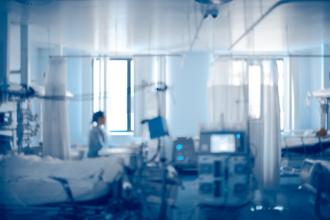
<point>156,70</point>
<point>260,73</point>
<point>112,92</point>
<point>237,77</point>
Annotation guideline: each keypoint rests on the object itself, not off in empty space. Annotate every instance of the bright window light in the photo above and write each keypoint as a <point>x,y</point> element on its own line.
<point>155,70</point>
<point>113,90</point>
<point>254,91</point>
<point>238,67</point>
<point>237,77</point>
<point>117,95</point>
<point>268,74</point>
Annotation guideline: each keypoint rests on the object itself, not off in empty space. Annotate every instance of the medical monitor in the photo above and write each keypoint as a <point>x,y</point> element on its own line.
<point>223,142</point>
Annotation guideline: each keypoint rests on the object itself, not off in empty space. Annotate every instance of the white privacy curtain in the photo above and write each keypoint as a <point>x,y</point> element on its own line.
<point>265,132</point>
<point>56,140</point>
<point>244,95</point>
<point>228,100</point>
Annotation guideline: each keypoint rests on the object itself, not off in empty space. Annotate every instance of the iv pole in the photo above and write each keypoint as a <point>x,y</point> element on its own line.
<point>161,88</point>
<point>163,206</point>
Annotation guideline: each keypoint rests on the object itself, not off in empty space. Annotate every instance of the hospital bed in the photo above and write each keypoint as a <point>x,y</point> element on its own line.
<point>315,177</point>
<point>32,180</point>
<point>304,142</point>
<point>107,187</point>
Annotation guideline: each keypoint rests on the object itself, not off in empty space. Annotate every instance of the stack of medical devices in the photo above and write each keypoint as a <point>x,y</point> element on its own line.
<point>224,168</point>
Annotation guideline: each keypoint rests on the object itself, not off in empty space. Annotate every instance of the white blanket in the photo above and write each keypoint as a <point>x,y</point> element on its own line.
<point>26,180</point>
<point>301,139</point>
<point>315,175</point>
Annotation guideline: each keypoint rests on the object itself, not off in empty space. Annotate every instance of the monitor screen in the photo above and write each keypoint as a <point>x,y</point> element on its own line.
<point>221,143</point>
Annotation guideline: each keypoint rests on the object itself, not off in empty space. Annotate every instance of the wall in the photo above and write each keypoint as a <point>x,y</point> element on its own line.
<point>307,76</point>
<point>326,70</point>
<point>38,61</point>
<point>187,107</point>
<point>326,65</point>
<point>14,47</point>
<point>187,96</point>
<point>145,104</point>
<point>4,41</point>
<point>86,104</point>
<point>79,78</point>
<point>74,85</point>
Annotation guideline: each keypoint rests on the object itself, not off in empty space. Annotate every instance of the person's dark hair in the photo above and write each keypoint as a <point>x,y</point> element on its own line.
<point>97,116</point>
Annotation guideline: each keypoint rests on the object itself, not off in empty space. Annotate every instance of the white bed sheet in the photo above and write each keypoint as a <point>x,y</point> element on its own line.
<point>291,141</point>
<point>25,180</point>
<point>300,139</point>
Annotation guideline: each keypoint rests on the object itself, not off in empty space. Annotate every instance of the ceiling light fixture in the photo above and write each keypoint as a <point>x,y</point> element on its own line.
<point>211,7</point>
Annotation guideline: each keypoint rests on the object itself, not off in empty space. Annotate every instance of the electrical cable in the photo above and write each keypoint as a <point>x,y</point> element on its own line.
<point>196,34</point>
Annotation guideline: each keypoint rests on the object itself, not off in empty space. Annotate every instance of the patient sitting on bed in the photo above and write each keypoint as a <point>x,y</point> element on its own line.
<point>97,136</point>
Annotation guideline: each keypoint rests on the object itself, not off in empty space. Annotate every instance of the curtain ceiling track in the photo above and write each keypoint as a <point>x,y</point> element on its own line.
<point>263,16</point>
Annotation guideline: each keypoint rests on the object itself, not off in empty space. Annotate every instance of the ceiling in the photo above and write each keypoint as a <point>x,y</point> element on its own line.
<point>154,26</point>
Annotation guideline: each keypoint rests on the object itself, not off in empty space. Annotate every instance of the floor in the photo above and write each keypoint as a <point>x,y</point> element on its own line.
<point>288,203</point>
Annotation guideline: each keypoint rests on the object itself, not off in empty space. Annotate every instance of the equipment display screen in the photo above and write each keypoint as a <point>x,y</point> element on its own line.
<point>221,143</point>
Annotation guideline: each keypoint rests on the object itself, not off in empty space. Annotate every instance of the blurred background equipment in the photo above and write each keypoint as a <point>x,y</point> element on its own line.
<point>223,142</point>
<point>8,127</point>
<point>315,177</point>
<point>224,168</point>
<point>184,154</point>
<point>224,179</point>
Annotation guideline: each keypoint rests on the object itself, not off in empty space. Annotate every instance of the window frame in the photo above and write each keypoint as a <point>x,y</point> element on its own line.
<point>129,92</point>
<point>287,112</point>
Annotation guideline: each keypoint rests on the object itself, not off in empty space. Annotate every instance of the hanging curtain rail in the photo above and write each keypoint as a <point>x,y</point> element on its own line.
<point>263,16</point>
<point>115,56</point>
<point>263,56</point>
